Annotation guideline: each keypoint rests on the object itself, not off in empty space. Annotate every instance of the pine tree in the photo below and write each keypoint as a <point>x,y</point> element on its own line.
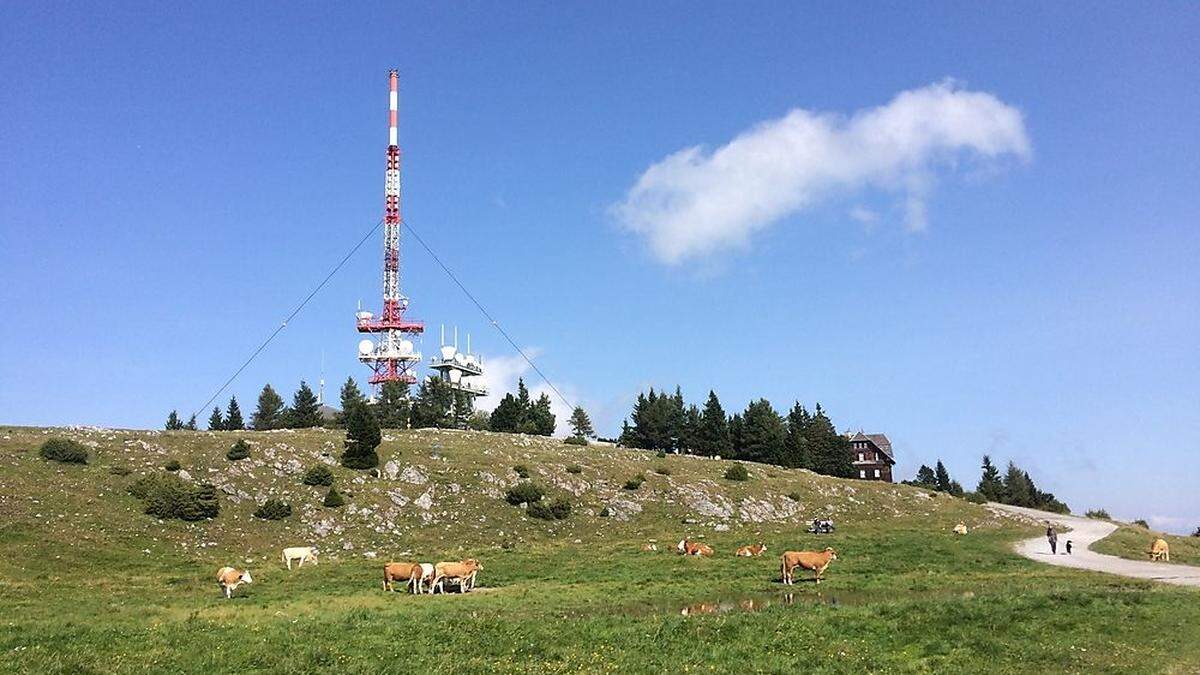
<point>676,418</point>
<point>173,422</point>
<point>830,450</point>
<point>942,476</point>
<point>926,478</point>
<point>506,417</point>
<point>362,438</point>
<point>233,416</point>
<point>268,413</point>
<point>393,409</point>
<point>464,410</point>
<point>690,439</point>
<point>581,424</point>
<point>540,420</point>
<point>1017,488</point>
<point>351,396</point>
<point>433,405</point>
<point>990,485</point>
<point>215,421</point>
<point>735,437</point>
<point>714,429</point>
<point>305,411</point>
<point>333,499</point>
<point>191,423</point>
<point>626,439</point>
<point>797,447</point>
<point>763,433</point>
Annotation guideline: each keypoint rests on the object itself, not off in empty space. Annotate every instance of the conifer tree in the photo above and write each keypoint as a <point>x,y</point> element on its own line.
<point>942,476</point>
<point>215,421</point>
<point>173,422</point>
<point>797,448</point>
<point>540,420</point>
<point>433,405</point>
<point>830,450</point>
<point>626,439</point>
<point>506,417</point>
<point>763,433</point>
<point>714,429</point>
<point>464,410</point>
<point>233,416</point>
<point>305,411</point>
<point>393,409</point>
<point>990,485</point>
<point>735,437</point>
<point>351,396</point>
<point>926,478</point>
<point>1017,488</point>
<point>191,423</point>
<point>676,418</point>
<point>333,498</point>
<point>581,424</point>
<point>270,408</point>
<point>690,438</point>
<point>362,438</point>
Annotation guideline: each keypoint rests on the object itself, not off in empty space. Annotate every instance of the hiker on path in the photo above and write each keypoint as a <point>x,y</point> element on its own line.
<point>1052,536</point>
<point>1068,547</point>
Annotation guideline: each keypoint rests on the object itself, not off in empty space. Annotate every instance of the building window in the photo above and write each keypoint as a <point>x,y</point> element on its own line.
<point>877,473</point>
<point>862,473</point>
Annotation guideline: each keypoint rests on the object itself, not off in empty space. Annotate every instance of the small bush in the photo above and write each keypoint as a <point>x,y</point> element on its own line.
<point>166,496</point>
<point>1100,514</point>
<point>575,440</point>
<point>64,450</point>
<point>521,470</point>
<point>737,472</point>
<point>334,499</point>
<point>574,468</point>
<point>119,470</point>
<point>1142,523</point>
<point>975,498</point>
<point>662,470</point>
<point>240,450</point>
<point>604,513</point>
<point>173,465</point>
<point>524,492</point>
<point>794,496</point>
<point>554,509</point>
<point>660,454</point>
<point>635,482</point>
<point>318,474</point>
<point>273,509</point>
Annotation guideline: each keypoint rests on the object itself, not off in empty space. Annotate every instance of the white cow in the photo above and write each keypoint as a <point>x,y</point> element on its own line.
<point>302,553</point>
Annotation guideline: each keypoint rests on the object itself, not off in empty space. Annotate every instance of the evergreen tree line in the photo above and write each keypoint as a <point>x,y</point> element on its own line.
<point>520,414</point>
<point>436,405</point>
<point>801,439</point>
<point>1014,487</point>
<point>936,479</point>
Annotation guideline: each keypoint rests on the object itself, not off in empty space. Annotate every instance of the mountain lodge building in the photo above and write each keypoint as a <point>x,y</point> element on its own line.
<point>872,456</point>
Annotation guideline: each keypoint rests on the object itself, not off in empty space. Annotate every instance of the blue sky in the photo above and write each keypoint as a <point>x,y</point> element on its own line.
<point>175,179</point>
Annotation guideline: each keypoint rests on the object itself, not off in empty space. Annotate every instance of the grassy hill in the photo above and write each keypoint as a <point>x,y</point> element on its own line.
<point>91,583</point>
<point>1133,542</point>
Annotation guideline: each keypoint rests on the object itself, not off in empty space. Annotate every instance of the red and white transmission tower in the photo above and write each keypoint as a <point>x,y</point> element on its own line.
<point>391,355</point>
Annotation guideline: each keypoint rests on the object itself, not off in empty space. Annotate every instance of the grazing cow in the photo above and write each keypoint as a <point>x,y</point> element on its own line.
<point>464,571</point>
<point>809,560</point>
<point>751,551</point>
<point>687,547</point>
<point>302,553</point>
<point>1160,550</point>
<point>229,579</point>
<point>413,574</point>
<point>649,547</point>
<point>960,528</point>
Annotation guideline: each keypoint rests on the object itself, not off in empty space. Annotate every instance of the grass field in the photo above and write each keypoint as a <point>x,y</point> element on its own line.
<point>1133,542</point>
<point>89,584</point>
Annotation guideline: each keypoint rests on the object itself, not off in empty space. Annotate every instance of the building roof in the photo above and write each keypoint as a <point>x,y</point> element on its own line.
<point>880,441</point>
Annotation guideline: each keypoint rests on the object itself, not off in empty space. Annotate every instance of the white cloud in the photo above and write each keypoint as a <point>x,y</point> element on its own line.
<point>864,215</point>
<point>500,374</point>
<point>693,203</point>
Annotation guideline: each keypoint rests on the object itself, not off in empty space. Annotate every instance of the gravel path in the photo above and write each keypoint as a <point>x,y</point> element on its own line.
<point>1085,532</point>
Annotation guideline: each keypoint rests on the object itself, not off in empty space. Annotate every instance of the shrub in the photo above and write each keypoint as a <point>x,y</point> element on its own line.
<point>334,499</point>
<point>1142,523</point>
<point>737,472</point>
<point>662,470</point>
<point>975,498</point>
<point>318,474</point>
<point>362,438</point>
<point>173,465</point>
<point>794,496</point>
<point>660,454</point>
<point>574,468</point>
<point>119,470</point>
<point>273,509</point>
<point>575,440</point>
<point>604,513</point>
<point>1097,513</point>
<point>635,482</point>
<point>240,450</point>
<point>521,470</point>
<point>554,509</point>
<point>167,496</point>
<point>64,450</point>
<point>524,492</point>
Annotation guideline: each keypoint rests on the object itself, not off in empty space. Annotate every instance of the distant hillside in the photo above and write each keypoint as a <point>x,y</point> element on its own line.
<point>433,486</point>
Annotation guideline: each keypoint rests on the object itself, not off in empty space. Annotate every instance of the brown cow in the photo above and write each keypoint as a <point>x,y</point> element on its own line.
<point>751,551</point>
<point>464,571</point>
<point>809,560</point>
<point>229,579</point>
<point>688,547</point>
<point>413,574</point>
<point>1160,550</point>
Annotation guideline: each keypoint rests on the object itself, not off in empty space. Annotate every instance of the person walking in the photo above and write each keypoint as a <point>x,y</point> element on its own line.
<point>1052,536</point>
<point>1068,547</point>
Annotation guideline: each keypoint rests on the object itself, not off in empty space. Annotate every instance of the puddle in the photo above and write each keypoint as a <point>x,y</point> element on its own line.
<point>757,602</point>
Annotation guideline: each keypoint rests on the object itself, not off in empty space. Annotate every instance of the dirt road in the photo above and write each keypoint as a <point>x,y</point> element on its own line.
<point>1085,532</point>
